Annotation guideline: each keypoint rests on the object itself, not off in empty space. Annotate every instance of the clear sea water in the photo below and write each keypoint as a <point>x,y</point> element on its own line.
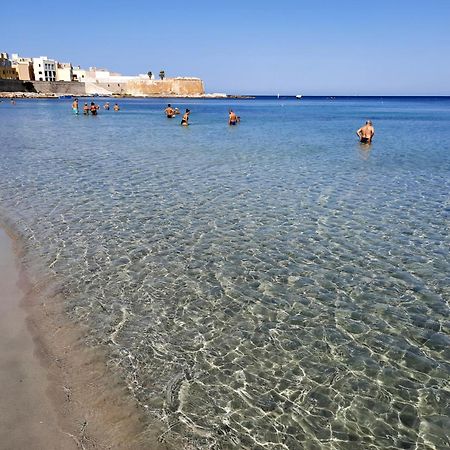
<point>274,285</point>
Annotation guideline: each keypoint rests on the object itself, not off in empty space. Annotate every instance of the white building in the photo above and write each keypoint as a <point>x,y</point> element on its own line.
<point>94,75</point>
<point>144,76</point>
<point>78,74</point>
<point>64,72</point>
<point>44,69</point>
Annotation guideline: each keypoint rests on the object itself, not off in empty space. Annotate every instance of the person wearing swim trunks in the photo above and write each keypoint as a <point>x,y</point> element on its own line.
<point>106,106</point>
<point>86,109</point>
<point>185,119</point>
<point>75,106</point>
<point>169,111</point>
<point>116,107</point>
<point>366,133</point>
<point>232,118</point>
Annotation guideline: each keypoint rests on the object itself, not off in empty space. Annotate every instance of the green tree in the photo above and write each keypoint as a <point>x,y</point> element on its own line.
<point>162,74</point>
<point>150,74</point>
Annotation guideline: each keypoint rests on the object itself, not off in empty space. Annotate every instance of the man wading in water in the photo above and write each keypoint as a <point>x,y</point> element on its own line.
<point>233,119</point>
<point>366,133</point>
<point>169,111</point>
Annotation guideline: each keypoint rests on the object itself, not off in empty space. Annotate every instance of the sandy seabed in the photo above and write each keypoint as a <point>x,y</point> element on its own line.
<point>57,393</point>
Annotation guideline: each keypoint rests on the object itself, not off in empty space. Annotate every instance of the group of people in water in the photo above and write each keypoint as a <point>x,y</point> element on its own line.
<point>92,109</point>
<point>171,112</point>
<point>365,133</point>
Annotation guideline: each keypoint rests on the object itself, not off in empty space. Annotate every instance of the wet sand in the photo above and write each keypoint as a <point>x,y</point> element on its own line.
<point>56,393</point>
<point>27,416</point>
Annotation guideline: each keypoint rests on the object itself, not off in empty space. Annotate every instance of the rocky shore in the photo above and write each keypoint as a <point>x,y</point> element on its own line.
<point>14,95</point>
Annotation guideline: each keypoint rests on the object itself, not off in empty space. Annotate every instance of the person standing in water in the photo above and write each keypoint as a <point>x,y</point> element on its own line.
<point>93,109</point>
<point>185,119</point>
<point>366,133</point>
<point>169,111</point>
<point>116,107</point>
<point>75,106</point>
<point>86,109</point>
<point>232,118</point>
<point>106,106</point>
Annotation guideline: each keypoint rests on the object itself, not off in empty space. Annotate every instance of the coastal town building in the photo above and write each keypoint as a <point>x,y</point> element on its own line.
<point>23,66</point>
<point>44,69</point>
<point>64,72</point>
<point>94,75</point>
<point>7,72</point>
<point>78,74</point>
<point>93,81</point>
<point>103,81</point>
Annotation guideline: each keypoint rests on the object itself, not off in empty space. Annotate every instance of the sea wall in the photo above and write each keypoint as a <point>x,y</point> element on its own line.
<point>60,87</point>
<point>106,88</point>
<point>16,86</point>
<point>183,87</point>
<point>176,87</point>
<point>44,87</point>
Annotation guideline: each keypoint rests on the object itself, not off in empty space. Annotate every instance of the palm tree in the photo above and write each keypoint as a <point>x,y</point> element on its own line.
<point>162,74</point>
<point>150,74</point>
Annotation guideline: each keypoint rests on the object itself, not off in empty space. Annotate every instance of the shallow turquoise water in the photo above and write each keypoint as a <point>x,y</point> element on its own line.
<point>272,285</point>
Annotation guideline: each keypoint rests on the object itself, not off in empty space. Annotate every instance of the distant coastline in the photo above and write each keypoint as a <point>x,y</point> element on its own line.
<point>168,87</point>
<point>55,90</point>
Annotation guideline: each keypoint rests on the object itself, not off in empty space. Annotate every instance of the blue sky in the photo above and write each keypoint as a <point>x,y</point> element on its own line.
<point>326,47</point>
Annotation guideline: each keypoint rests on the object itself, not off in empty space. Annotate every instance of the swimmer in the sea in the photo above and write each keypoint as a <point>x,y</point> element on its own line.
<point>185,119</point>
<point>86,109</point>
<point>75,106</point>
<point>116,107</point>
<point>232,118</point>
<point>169,111</point>
<point>93,109</point>
<point>366,133</point>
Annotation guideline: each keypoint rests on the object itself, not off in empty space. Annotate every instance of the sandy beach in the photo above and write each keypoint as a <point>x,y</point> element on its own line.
<point>56,393</point>
<point>28,418</point>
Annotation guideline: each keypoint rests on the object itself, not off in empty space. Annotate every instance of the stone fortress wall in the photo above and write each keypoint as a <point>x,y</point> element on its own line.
<point>171,86</point>
<point>176,87</point>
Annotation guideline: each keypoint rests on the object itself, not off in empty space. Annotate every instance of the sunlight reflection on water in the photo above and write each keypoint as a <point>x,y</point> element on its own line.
<point>274,285</point>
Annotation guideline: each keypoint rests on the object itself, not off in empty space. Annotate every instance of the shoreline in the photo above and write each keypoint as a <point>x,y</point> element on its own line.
<point>37,95</point>
<point>23,379</point>
<point>58,392</point>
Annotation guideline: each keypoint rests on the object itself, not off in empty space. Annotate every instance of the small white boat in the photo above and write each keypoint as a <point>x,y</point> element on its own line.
<point>298,97</point>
